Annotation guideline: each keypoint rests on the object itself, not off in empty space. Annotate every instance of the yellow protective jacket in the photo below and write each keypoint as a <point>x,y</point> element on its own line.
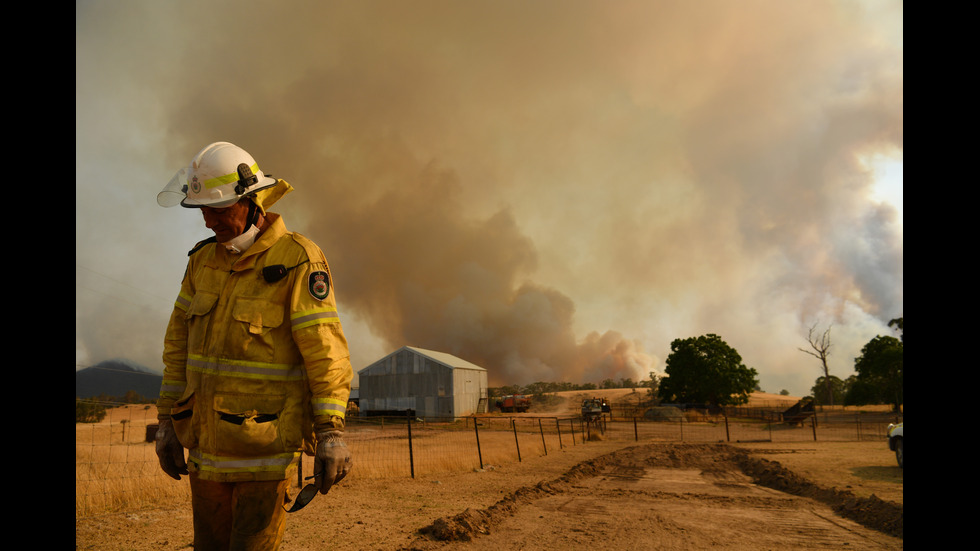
<point>253,367</point>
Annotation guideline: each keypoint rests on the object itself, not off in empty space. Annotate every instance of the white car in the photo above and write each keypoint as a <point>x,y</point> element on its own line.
<point>895,443</point>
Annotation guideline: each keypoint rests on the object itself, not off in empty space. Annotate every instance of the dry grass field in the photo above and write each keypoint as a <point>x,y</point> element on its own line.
<point>654,495</point>
<point>847,492</point>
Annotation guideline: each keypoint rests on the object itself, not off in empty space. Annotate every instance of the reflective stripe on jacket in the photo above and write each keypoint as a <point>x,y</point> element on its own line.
<point>254,365</point>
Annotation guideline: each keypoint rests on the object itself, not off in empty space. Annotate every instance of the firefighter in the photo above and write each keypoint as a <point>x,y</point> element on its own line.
<point>257,368</point>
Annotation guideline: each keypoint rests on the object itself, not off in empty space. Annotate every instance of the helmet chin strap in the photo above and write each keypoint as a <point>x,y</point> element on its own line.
<point>253,213</point>
<point>245,240</point>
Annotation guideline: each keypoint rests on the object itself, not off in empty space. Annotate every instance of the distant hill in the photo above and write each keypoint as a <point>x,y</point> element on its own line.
<point>115,378</point>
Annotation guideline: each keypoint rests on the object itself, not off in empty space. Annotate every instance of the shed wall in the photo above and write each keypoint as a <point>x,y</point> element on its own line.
<point>406,380</point>
<point>469,385</point>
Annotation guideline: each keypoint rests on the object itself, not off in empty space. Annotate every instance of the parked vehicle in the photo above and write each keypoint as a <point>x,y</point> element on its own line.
<point>514,403</point>
<point>592,409</point>
<point>896,443</point>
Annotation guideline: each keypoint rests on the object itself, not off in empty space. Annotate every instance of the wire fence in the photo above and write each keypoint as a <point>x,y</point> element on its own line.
<point>116,468</point>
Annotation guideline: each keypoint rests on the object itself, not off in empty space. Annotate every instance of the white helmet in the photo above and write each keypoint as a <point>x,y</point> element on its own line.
<point>218,176</point>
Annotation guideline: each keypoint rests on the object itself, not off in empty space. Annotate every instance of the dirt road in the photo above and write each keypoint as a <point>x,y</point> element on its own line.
<point>609,494</point>
<point>672,497</point>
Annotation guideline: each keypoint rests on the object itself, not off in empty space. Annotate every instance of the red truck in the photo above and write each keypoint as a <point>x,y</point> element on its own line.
<point>514,402</point>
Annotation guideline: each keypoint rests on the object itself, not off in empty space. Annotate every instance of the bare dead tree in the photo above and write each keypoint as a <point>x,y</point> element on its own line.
<point>821,349</point>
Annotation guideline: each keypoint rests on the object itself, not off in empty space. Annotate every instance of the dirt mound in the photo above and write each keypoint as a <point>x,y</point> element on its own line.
<point>873,513</point>
<point>471,522</point>
<point>884,516</point>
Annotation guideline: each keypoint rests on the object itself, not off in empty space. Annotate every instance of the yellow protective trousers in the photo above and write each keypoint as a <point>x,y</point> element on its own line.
<point>238,516</point>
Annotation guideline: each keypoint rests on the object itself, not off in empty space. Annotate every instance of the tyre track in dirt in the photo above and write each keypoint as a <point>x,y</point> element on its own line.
<point>673,496</point>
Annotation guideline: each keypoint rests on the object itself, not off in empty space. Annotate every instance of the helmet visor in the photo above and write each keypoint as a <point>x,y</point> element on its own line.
<point>175,191</point>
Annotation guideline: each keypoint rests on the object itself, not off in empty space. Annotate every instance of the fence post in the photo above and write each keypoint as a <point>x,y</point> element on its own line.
<point>543,443</point>
<point>813,425</point>
<point>636,435</point>
<point>728,436</point>
<point>571,424</point>
<point>476,431</point>
<point>411,457</point>
<point>558,426</point>
<point>517,442</point>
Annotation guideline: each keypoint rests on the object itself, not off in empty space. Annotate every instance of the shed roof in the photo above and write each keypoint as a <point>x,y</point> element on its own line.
<point>443,358</point>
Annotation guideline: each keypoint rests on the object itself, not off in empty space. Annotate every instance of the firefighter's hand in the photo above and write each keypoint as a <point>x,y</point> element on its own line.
<point>332,461</point>
<point>170,451</point>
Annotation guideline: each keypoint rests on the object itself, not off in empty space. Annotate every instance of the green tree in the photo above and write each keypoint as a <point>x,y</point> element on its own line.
<point>496,392</point>
<point>828,390</point>
<point>706,369</point>
<point>653,386</point>
<point>536,388</point>
<point>133,397</point>
<point>860,392</point>
<point>88,411</point>
<point>898,323</point>
<point>880,374</point>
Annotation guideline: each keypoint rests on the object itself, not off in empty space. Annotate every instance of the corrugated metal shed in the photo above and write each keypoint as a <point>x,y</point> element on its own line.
<point>423,383</point>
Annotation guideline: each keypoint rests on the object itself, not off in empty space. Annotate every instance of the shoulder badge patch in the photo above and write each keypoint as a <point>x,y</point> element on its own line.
<point>319,285</point>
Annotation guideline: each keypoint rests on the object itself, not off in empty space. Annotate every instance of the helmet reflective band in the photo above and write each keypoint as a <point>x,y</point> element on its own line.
<point>218,176</point>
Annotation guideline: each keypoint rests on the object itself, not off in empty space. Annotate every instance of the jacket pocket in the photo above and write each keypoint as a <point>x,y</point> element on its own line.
<point>257,320</point>
<point>248,425</point>
<point>198,314</point>
<point>185,427</point>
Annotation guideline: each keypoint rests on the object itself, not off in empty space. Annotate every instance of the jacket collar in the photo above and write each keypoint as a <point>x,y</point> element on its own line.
<point>274,230</point>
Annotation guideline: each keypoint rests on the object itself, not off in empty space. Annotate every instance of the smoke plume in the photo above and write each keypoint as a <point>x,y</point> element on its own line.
<point>556,190</point>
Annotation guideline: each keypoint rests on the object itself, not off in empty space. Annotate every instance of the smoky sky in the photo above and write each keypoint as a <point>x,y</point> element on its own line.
<point>553,190</point>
